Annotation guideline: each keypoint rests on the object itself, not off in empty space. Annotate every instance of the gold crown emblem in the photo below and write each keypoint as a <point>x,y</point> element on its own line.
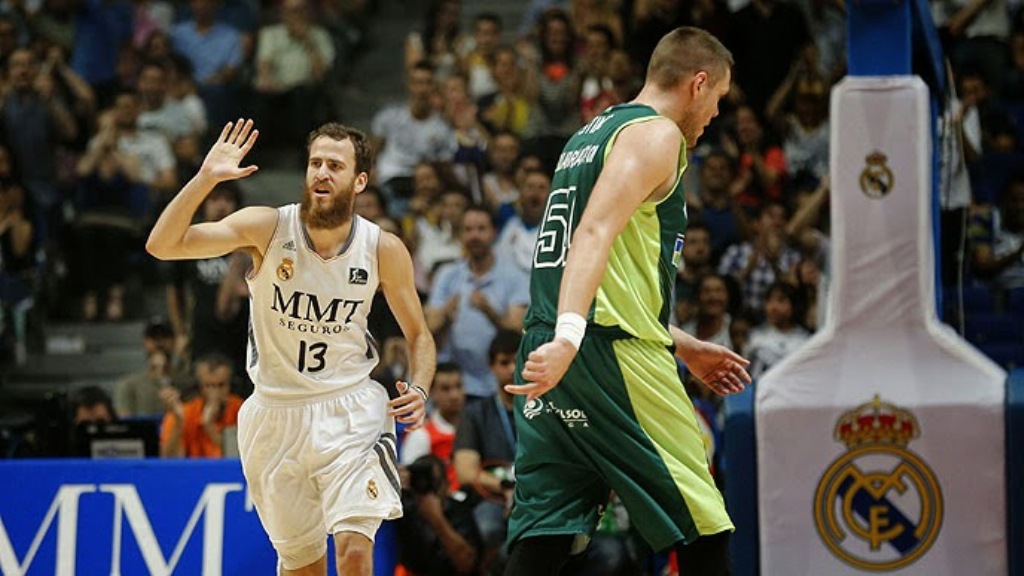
<point>876,158</point>
<point>876,422</point>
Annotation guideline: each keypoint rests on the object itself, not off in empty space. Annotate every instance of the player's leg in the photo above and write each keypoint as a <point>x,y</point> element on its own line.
<point>354,551</point>
<point>539,555</point>
<point>705,556</point>
<point>644,439</point>
<point>355,467</point>
<point>270,437</point>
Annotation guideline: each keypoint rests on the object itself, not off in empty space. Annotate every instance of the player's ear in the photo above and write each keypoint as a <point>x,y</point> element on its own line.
<point>700,81</point>
<point>362,179</point>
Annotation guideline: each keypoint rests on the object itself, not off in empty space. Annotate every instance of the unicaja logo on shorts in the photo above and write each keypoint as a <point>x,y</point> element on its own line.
<point>878,507</point>
<point>533,408</point>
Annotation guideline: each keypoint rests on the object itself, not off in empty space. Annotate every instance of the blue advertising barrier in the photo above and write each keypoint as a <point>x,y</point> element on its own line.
<point>136,517</point>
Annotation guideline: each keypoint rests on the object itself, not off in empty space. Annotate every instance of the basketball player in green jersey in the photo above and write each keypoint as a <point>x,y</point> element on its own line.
<point>601,406</point>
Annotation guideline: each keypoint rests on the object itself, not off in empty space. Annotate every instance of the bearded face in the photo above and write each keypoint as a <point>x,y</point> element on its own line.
<point>320,210</point>
<point>331,183</point>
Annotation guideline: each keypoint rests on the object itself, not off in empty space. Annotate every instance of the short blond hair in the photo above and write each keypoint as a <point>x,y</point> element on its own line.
<point>686,51</point>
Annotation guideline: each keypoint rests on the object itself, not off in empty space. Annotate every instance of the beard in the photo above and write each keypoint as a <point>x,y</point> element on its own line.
<point>339,211</point>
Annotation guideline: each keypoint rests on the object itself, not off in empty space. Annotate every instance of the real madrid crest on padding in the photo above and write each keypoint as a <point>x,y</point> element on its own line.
<point>876,179</point>
<point>286,269</point>
<point>878,507</point>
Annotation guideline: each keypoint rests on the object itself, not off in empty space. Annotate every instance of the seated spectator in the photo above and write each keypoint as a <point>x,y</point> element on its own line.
<point>437,437</point>
<point>499,182</point>
<point>471,300</point>
<point>710,321</point>
<point>159,112</point>
<point>725,218</point>
<point>207,299</point>
<point>799,113</point>
<point>509,107</point>
<point>757,263</point>
<point>485,446</point>
<point>781,333</point>
<point>515,244</point>
<point>997,239</point>
<point>195,429</point>
<point>440,42</point>
<point>762,164</point>
<point>216,52</point>
<point>92,405</point>
<point>695,265</point>
<point>436,235</point>
<point>437,535</point>
<point>405,135</point>
<point>138,393</point>
<point>479,63</point>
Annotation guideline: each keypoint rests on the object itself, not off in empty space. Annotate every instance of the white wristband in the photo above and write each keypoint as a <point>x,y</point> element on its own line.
<point>571,326</point>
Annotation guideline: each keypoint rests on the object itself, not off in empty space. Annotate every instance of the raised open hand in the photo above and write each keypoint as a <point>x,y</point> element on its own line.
<point>223,159</point>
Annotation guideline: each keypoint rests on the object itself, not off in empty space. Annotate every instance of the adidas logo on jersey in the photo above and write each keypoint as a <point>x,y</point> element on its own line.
<point>358,276</point>
<point>289,245</point>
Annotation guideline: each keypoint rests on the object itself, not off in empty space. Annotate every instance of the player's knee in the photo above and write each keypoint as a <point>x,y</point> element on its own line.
<point>354,551</point>
<point>296,557</point>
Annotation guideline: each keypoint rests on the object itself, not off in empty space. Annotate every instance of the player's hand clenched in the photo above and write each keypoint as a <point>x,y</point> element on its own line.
<point>544,369</point>
<point>410,407</point>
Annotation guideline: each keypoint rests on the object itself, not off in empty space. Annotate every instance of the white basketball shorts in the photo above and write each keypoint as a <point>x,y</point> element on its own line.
<point>321,466</point>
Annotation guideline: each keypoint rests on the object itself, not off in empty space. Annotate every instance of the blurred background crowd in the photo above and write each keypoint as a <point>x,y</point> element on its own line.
<point>107,107</point>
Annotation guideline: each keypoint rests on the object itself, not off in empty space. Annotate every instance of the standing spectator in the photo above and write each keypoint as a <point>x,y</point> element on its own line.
<point>471,300</point>
<point>975,34</point>
<point>17,261</point>
<point>758,263</point>
<point>195,429</point>
<point>292,60</point>
<point>103,28</point>
<point>207,300</point>
<point>138,393</point>
<point>405,135</point>
<point>781,333</point>
<point>799,112</point>
<point>35,123</point>
<point>660,18</point>
<point>215,51</point>
<point>111,205</point>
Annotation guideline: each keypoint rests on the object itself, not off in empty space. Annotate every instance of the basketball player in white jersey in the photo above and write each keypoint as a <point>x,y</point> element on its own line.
<point>317,436</point>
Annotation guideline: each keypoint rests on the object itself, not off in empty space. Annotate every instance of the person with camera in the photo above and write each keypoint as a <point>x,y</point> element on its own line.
<point>485,446</point>
<point>438,535</point>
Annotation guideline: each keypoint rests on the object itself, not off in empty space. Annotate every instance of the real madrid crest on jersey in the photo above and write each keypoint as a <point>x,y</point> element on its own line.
<point>876,179</point>
<point>286,269</point>
<point>878,507</point>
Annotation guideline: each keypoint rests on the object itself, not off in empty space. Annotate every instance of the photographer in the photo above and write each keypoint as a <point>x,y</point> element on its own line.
<point>437,536</point>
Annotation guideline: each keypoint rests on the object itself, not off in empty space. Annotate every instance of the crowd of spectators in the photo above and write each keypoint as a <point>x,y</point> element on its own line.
<point>106,108</point>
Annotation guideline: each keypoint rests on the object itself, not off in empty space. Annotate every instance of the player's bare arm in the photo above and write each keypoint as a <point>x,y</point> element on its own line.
<point>175,238</point>
<point>719,368</point>
<point>396,279</point>
<point>643,165</point>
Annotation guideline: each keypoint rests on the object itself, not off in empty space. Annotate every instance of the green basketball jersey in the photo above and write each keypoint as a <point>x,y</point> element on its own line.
<point>635,291</point>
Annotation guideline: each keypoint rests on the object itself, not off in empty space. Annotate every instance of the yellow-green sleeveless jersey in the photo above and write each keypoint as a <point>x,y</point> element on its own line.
<point>635,292</point>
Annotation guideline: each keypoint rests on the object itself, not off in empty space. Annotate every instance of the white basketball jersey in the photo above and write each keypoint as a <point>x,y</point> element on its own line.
<point>307,331</point>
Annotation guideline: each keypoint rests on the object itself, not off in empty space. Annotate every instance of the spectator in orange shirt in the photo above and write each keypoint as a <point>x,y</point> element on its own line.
<point>194,429</point>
